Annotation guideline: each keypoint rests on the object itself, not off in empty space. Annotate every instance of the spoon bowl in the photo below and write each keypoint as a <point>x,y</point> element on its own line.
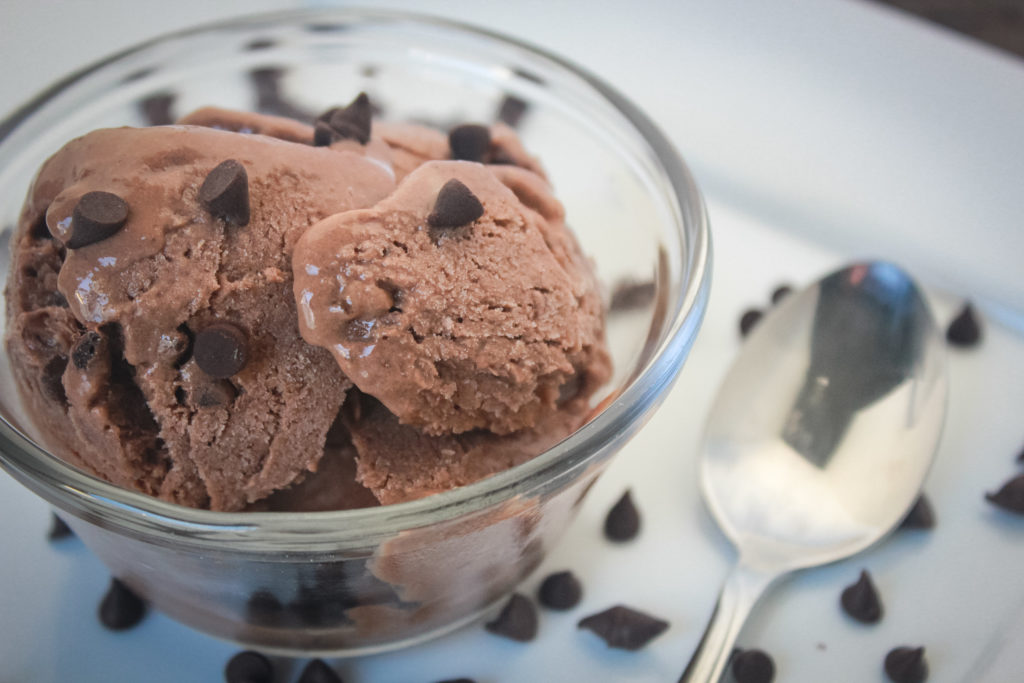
<point>821,434</point>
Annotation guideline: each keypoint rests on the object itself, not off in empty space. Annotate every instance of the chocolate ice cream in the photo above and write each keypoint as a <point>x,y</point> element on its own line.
<point>189,307</point>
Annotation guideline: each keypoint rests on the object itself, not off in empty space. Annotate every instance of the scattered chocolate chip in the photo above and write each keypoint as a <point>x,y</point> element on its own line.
<point>965,330</point>
<point>517,620</point>
<point>58,528</point>
<point>753,666</point>
<point>623,521</point>
<point>561,590</point>
<point>86,348</point>
<point>921,516</point>
<point>225,193</point>
<point>511,110</point>
<point>860,600</point>
<point>97,216</point>
<point>317,671</point>
<point>629,295</point>
<point>352,122</point>
<point>780,293</point>
<point>121,608</point>
<point>1010,496</point>
<point>624,628</point>
<point>906,665</point>
<point>470,142</point>
<point>214,394</point>
<point>749,318</point>
<point>221,350</point>
<point>157,109</point>
<point>455,205</point>
<point>248,667</point>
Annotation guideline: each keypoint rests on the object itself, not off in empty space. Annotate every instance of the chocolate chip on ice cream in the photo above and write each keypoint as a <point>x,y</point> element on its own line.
<point>470,142</point>
<point>221,350</point>
<point>225,193</point>
<point>97,216</point>
<point>351,122</point>
<point>455,205</point>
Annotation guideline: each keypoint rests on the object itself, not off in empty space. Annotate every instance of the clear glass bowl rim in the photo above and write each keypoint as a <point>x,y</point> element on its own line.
<point>67,487</point>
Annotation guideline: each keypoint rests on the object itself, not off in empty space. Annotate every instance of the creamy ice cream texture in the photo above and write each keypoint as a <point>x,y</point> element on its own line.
<point>242,311</point>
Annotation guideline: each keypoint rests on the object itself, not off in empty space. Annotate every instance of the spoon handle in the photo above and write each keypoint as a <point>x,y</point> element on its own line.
<point>741,590</point>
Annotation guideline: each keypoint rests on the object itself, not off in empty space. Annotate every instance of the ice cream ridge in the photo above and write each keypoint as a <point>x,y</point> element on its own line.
<point>245,312</point>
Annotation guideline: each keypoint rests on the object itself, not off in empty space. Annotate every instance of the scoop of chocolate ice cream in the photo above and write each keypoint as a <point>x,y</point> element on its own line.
<point>136,405</point>
<point>189,306</point>
<point>455,321</point>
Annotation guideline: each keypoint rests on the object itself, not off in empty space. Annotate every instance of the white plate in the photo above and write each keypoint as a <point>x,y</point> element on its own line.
<point>821,132</point>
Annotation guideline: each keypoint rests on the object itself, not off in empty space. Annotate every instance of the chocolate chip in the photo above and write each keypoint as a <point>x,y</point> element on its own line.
<point>921,516</point>
<point>1010,496</point>
<point>225,193</point>
<point>248,667</point>
<point>753,666</point>
<point>624,628</point>
<point>455,205</point>
<point>749,318</point>
<point>561,590</point>
<point>470,142</point>
<point>629,295</point>
<point>86,348</point>
<point>157,109</point>
<point>352,122</point>
<point>322,134</point>
<point>58,528</point>
<point>517,620</point>
<point>97,216</point>
<point>511,110</point>
<point>221,350</point>
<point>780,293</point>
<point>317,671</point>
<point>52,380</point>
<point>860,600</point>
<point>623,521</point>
<point>214,394</point>
<point>121,608</point>
<point>906,665</point>
<point>965,330</point>
<point>263,608</point>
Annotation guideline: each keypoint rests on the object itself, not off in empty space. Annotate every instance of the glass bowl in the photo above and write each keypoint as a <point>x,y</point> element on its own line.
<point>365,580</point>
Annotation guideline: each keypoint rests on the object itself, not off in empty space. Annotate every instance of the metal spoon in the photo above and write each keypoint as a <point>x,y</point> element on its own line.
<point>820,436</point>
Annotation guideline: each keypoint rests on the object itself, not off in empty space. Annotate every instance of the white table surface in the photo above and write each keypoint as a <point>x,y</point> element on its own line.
<point>820,131</point>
